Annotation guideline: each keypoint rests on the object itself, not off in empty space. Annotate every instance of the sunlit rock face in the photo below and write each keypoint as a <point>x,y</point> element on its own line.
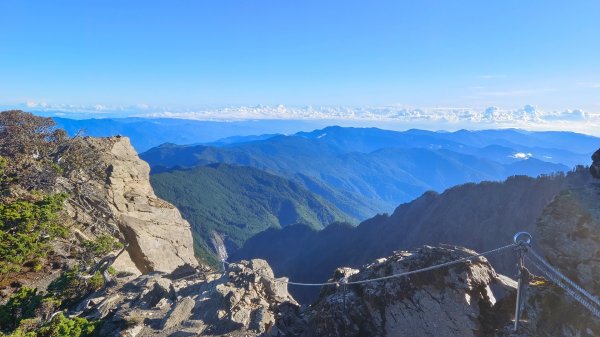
<point>113,195</point>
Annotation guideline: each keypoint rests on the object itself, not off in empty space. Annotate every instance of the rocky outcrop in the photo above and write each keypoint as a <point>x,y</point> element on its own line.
<point>550,312</point>
<point>568,233</point>
<point>113,195</point>
<point>244,301</point>
<point>469,299</point>
<point>595,167</point>
<point>456,301</point>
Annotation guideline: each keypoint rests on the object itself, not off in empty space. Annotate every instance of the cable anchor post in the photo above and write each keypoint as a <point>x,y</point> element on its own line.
<point>522,240</point>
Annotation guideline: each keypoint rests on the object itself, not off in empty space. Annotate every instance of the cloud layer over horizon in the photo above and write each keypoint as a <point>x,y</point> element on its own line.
<point>527,117</point>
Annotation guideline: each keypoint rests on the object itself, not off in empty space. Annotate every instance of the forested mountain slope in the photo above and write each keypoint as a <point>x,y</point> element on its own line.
<point>228,204</point>
<point>374,170</point>
<point>483,216</point>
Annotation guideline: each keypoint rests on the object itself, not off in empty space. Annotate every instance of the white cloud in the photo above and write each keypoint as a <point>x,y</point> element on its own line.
<point>522,155</point>
<point>527,117</point>
<point>33,104</point>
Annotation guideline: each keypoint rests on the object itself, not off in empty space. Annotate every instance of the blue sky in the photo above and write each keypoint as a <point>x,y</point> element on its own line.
<point>191,54</point>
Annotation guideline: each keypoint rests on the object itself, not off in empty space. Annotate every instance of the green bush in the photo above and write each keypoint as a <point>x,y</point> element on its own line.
<point>23,314</point>
<point>26,230</point>
<point>69,287</point>
<point>61,326</point>
<point>101,246</point>
<point>21,305</point>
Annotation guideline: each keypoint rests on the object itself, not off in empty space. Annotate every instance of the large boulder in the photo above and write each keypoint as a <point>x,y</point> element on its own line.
<point>568,234</point>
<point>454,301</point>
<point>246,299</point>
<point>113,195</point>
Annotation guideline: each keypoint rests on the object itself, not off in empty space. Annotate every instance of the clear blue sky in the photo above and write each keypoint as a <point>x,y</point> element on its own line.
<point>197,53</point>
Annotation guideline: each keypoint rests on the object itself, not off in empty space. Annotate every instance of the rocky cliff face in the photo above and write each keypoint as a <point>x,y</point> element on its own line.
<point>568,232</point>
<point>113,194</point>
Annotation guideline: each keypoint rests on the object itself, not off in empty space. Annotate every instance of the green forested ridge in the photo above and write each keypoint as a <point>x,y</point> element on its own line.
<point>238,202</point>
<point>481,216</point>
<point>369,171</point>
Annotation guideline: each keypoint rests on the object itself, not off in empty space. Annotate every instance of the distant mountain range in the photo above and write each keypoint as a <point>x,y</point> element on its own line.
<point>365,171</point>
<point>481,216</point>
<point>226,205</point>
<point>146,133</point>
<point>335,174</point>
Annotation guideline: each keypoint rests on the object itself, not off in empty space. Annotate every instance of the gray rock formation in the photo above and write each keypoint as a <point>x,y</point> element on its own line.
<point>568,233</point>
<point>181,311</point>
<point>550,312</point>
<point>468,299</point>
<point>114,195</point>
<point>243,302</point>
<point>456,301</point>
<point>595,167</point>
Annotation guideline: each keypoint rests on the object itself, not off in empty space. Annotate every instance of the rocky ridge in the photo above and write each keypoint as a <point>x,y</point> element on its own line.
<point>244,301</point>
<point>165,293</point>
<point>456,301</point>
<point>469,299</point>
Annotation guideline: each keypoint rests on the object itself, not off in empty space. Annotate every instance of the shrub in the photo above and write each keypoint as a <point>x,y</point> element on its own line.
<point>23,314</point>
<point>61,326</point>
<point>101,246</point>
<point>69,287</point>
<point>21,305</point>
<point>26,229</point>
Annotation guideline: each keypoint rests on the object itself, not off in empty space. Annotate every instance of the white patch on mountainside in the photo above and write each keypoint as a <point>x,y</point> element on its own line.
<point>522,155</point>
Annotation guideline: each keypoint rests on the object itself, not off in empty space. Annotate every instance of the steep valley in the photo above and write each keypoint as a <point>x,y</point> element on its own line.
<point>230,204</point>
<point>480,216</point>
<point>369,171</point>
